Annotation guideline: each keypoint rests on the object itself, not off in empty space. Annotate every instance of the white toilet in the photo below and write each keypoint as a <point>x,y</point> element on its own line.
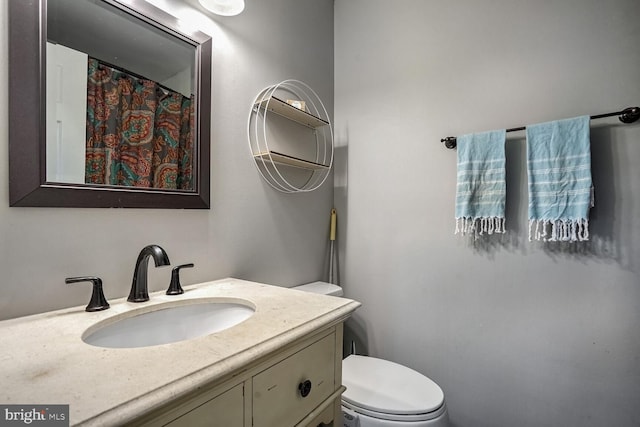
<point>381,393</point>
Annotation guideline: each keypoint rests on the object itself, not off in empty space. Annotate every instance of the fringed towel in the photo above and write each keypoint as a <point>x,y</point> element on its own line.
<point>481,189</point>
<point>560,187</point>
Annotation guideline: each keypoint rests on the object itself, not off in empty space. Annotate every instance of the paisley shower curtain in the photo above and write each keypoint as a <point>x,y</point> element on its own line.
<point>139,134</point>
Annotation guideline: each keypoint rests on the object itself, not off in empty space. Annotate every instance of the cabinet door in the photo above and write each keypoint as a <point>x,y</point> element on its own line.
<point>224,410</point>
<point>277,399</point>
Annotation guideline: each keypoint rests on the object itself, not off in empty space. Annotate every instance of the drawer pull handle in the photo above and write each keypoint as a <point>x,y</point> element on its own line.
<point>305,388</point>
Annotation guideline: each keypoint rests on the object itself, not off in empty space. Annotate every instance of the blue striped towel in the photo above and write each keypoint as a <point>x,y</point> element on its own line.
<point>481,189</point>
<point>560,186</point>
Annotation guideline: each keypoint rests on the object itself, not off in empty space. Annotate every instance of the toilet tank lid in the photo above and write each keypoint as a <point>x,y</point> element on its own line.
<point>323,288</point>
<point>388,388</point>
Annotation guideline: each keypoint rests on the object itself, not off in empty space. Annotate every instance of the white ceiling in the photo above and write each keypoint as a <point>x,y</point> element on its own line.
<point>107,33</point>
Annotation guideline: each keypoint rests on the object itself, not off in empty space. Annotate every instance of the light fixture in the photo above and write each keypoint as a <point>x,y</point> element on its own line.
<point>223,7</point>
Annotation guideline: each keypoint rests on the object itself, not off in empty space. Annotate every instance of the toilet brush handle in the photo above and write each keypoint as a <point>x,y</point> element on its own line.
<point>332,228</point>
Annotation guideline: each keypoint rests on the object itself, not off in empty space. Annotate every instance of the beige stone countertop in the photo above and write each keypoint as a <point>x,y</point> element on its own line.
<point>43,359</point>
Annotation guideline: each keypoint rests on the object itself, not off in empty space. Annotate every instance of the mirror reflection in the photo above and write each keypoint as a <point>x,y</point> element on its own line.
<point>120,99</point>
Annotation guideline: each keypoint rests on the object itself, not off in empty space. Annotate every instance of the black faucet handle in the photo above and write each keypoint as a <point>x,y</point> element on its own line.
<point>174,286</point>
<point>98,301</point>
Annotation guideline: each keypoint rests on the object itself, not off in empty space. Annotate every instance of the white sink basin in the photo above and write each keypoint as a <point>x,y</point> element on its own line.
<point>168,323</point>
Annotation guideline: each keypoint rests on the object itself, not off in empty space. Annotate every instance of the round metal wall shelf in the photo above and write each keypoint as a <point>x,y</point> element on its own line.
<point>290,137</point>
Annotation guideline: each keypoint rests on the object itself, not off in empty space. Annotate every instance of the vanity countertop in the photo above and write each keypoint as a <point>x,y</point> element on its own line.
<point>44,360</point>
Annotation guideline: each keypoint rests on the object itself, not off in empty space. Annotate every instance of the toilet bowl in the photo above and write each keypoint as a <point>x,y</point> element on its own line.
<point>381,393</point>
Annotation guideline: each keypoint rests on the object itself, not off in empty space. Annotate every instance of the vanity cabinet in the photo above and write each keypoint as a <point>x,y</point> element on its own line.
<point>292,388</point>
<point>298,385</point>
<point>227,409</point>
<point>281,367</point>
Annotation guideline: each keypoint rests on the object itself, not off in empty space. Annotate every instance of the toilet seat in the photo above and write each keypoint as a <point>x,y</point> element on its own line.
<point>394,417</point>
<point>386,390</point>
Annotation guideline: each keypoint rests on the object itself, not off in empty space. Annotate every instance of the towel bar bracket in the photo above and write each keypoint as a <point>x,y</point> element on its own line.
<point>628,115</point>
<point>449,142</point>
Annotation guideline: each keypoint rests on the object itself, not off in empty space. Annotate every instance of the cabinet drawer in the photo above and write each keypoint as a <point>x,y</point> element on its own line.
<point>224,410</point>
<point>277,400</point>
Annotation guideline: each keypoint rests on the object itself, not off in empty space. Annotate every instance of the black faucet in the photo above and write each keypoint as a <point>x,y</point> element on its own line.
<point>139,289</point>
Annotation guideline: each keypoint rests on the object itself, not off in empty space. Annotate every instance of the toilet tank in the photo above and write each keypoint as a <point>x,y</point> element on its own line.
<point>321,288</point>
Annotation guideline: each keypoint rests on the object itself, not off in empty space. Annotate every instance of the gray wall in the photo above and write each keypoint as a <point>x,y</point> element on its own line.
<point>516,333</point>
<point>251,232</point>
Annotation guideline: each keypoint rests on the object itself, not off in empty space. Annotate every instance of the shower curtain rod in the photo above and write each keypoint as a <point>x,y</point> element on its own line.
<point>628,115</point>
<point>135,75</point>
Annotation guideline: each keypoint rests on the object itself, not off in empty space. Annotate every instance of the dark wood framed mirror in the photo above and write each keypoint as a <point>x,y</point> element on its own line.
<point>31,181</point>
